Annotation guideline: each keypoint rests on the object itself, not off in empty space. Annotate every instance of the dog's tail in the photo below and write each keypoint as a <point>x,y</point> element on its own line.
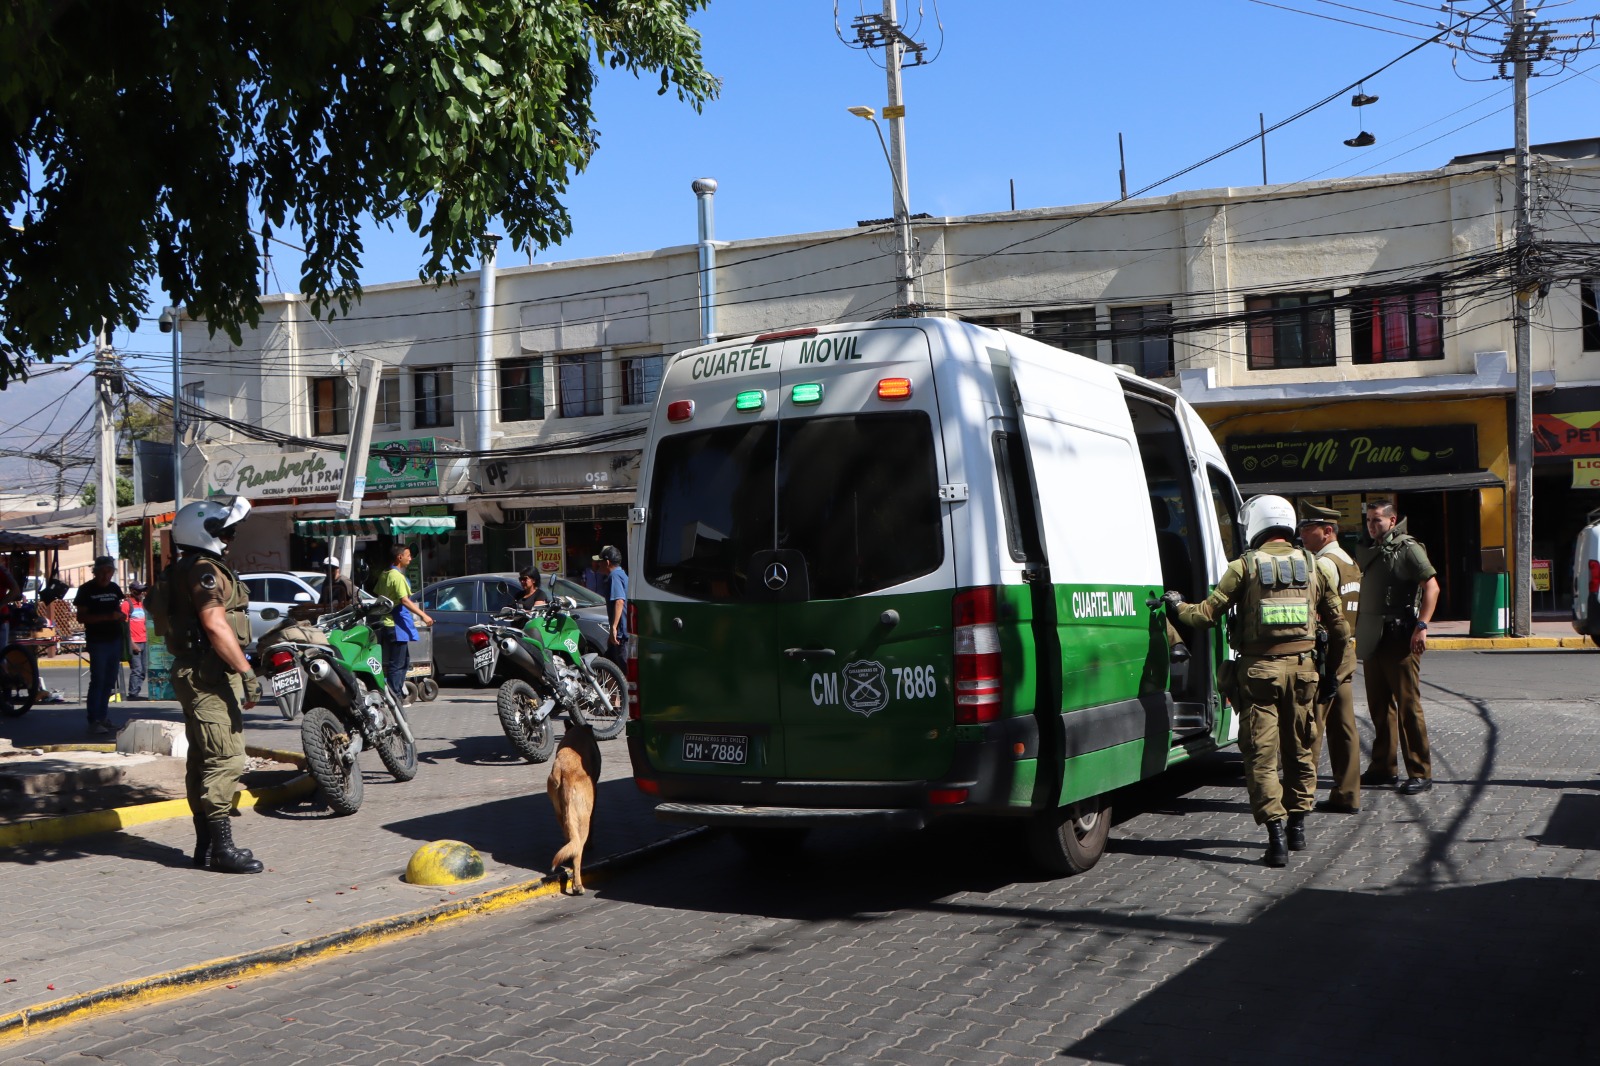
<point>568,852</point>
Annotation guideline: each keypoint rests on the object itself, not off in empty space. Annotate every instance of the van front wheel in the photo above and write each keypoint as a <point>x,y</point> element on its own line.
<point>1070,840</point>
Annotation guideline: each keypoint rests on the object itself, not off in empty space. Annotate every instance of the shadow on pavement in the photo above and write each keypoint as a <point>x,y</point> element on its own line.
<point>1502,972</point>
<point>476,751</point>
<point>1575,823</point>
<point>117,845</point>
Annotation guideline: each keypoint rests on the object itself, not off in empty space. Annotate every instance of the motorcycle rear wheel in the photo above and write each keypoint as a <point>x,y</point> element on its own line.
<point>338,776</point>
<point>608,722</point>
<point>515,703</point>
<point>399,755</point>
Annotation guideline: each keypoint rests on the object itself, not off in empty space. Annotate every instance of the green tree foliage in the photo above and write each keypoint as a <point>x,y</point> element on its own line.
<point>147,138</point>
<point>124,492</point>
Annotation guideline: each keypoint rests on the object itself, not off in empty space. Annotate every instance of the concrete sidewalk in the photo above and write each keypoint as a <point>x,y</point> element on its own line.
<point>98,910</point>
<point>1546,633</point>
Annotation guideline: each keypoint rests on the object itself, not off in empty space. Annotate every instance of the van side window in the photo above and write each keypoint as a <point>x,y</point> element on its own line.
<point>1225,499</point>
<point>1016,498</point>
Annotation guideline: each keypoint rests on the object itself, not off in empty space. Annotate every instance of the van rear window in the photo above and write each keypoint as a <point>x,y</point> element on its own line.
<point>857,495</point>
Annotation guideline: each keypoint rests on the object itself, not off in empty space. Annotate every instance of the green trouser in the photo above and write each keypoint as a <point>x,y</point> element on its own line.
<point>213,721</point>
<point>1336,720</point>
<point>1278,729</point>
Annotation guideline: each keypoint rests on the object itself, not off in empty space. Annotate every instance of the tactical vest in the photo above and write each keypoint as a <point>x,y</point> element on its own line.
<point>1348,588</point>
<point>1278,612</point>
<point>187,639</point>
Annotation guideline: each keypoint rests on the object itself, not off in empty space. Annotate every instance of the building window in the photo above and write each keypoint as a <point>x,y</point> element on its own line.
<point>1011,322</point>
<point>580,384</point>
<point>1289,330</point>
<point>641,377</point>
<point>522,390</point>
<point>435,397</point>
<point>1591,316</point>
<point>388,411</point>
<point>1072,330</point>
<point>330,406</point>
<point>1396,327</point>
<point>1141,337</point>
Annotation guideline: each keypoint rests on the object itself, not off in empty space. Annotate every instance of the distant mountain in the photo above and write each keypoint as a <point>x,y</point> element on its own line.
<point>35,415</point>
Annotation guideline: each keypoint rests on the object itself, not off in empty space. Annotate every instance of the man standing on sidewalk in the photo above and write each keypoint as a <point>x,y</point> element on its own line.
<point>99,605</point>
<point>1336,716</point>
<point>1399,591</point>
<point>138,657</point>
<point>614,585</point>
<point>399,630</point>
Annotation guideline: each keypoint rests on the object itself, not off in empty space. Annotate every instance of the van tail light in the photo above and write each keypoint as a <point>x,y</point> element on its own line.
<point>283,659</point>
<point>1594,576</point>
<point>478,639</point>
<point>947,797</point>
<point>977,655</point>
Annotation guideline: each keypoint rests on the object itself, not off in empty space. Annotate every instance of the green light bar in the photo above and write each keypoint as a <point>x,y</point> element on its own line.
<point>753,400</point>
<point>811,392</point>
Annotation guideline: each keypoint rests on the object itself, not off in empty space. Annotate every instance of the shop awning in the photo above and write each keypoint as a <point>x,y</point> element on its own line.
<point>24,542</point>
<point>377,526</point>
<point>1479,479</point>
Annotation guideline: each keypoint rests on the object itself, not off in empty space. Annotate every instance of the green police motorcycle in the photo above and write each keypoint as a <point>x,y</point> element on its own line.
<point>537,653</point>
<point>330,674</point>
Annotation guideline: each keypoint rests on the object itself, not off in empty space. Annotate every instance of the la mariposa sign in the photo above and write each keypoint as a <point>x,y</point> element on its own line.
<point>1397,451</point>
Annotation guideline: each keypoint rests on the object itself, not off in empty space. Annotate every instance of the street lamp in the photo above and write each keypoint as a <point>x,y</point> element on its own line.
<point>902,210</point>
<point>171,320</point>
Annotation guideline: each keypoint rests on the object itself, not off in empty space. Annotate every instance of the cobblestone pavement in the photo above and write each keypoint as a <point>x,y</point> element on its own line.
<point>97,910</point>
<point>1459,926</point>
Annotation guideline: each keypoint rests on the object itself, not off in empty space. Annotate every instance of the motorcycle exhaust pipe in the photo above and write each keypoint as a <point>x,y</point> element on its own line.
<point>513,649</point>
<point>329,682</point>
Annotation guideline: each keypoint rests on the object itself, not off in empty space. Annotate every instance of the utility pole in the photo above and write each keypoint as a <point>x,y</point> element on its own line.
<point>1524,42</point>
<point>354,485</point>
<point>105,496</point>
<point>171,321</point>
<point>884,31</point>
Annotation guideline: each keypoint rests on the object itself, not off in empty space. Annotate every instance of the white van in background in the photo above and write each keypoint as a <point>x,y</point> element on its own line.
<point>1586,580</point>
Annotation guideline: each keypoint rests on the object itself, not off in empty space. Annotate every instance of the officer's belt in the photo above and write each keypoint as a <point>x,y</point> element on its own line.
<point>1291,647</point>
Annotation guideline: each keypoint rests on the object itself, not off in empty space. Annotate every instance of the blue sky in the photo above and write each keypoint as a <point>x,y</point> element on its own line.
<point>1031,92</point>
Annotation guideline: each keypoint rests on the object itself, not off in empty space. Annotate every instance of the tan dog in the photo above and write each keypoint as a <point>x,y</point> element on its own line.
<point>573,773</point>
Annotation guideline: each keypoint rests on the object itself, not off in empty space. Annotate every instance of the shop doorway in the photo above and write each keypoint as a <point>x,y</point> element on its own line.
<point>585,539</point>
<point>1447,525</point>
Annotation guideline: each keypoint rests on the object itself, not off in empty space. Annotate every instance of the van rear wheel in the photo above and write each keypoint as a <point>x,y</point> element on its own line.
<point>1069,840</point>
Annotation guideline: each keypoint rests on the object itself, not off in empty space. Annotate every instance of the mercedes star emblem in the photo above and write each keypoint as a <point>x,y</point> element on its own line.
<point>777,576</point>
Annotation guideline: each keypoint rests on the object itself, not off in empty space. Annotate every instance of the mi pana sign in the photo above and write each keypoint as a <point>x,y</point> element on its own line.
<point>1394,451</point>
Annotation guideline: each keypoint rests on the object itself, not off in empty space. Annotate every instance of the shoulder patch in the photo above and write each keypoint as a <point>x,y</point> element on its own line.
<point>208,580</point>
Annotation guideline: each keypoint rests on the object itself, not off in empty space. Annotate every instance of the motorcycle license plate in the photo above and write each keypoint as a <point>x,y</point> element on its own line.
<point>483,658</point>
<point>715,748</point>
<point>286,682</point>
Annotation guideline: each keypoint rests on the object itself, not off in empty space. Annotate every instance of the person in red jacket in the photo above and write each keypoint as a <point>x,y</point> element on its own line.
<point>138,659</point>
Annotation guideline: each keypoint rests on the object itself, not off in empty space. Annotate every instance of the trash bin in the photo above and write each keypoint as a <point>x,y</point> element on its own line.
<point>1488,605</point>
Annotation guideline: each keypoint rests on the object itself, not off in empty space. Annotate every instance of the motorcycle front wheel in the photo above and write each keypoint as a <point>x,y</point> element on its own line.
<point>337,773</point>
<point>399,755</point>
<point>515,703</point>
<point>609,718</point>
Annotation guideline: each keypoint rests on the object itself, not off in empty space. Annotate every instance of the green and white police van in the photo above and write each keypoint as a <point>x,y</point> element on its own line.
<point>901,570</point>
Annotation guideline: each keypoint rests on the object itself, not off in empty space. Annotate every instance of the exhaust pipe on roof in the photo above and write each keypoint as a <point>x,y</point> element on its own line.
<point>705,189</point>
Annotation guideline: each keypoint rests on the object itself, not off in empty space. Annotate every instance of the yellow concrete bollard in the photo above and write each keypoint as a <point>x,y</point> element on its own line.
<point>444,862</point>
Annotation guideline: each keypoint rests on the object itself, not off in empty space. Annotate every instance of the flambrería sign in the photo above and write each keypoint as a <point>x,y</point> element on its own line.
<point>1370,454</point>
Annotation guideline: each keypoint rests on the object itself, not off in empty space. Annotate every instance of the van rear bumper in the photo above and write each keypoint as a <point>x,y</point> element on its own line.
<point>728,814</point>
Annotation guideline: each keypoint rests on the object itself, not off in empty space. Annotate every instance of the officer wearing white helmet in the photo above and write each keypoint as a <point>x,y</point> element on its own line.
<point>1276,596</point>
<point>201,609</point>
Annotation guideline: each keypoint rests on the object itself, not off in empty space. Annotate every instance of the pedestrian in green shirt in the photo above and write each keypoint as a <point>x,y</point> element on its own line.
<point>397,632</point>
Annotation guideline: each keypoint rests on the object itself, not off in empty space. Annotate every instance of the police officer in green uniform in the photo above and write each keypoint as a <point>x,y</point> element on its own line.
<point>208,626</point>
<point>1276,596</point>
<point>1336,699</point>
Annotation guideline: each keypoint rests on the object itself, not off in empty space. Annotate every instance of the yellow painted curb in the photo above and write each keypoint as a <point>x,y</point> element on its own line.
<point>1505,643</point>
<point>68,826</point>
<point>30,1021</point>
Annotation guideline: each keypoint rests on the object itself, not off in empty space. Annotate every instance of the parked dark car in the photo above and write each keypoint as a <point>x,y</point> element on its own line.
<point>458,603</point>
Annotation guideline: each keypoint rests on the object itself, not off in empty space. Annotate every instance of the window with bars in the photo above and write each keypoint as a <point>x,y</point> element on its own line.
<point>1388,327</point>
<point>330,406</point>
<point>1141,337</point>
<point>1289,330</point>
<point>433,396</point>
<point>522,390</point>
<point>641,377</point>
<point>580,384</point>
<point>1072,330</point>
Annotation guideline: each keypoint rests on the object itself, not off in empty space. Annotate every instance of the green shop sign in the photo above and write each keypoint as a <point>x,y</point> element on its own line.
<point>392,466</point>
<point>1396,451</point>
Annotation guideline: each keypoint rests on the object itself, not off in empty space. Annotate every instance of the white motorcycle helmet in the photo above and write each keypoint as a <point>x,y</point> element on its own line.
<point>1266,515</point>
<point>208,525</point>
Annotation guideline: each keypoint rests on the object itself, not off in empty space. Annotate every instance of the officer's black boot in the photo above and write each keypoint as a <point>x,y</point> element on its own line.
<point>202,842</point>
<point>1297,831</point>
<point>1277,848</point>
<point>224,856</point>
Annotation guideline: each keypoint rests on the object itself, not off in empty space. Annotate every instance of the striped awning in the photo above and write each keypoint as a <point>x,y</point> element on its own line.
<point>377,526</point>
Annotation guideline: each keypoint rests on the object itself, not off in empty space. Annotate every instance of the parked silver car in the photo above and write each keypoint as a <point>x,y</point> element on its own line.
<point>458,603</point>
